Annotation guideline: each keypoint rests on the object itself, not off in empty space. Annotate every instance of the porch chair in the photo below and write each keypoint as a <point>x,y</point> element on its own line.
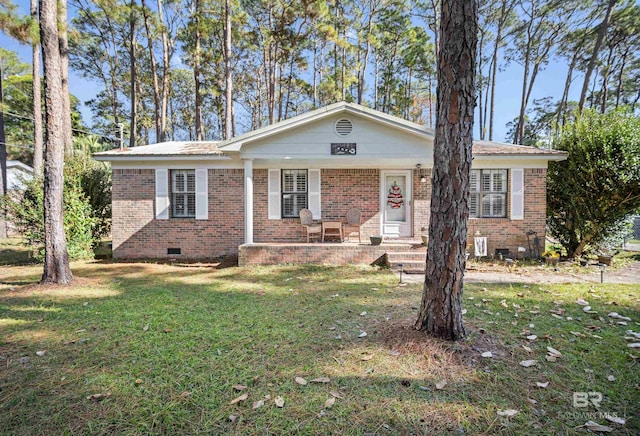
<point>314,230</point>
<point>353,223</point>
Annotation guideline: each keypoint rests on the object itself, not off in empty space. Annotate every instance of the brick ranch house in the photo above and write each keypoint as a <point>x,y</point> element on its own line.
<point>198,200</point>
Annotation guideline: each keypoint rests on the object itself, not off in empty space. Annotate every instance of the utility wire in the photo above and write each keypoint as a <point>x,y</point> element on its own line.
<point>74,129</point>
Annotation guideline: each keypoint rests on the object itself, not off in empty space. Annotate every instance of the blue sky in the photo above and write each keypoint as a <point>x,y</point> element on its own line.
<point>550,82</point>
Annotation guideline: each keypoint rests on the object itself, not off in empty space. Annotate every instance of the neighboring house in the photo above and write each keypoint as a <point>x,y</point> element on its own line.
<point>17,173</point>
<point>207,199</point>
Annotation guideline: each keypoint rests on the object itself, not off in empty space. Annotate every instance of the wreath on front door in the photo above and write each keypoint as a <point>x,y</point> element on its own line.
<point>394,199</point>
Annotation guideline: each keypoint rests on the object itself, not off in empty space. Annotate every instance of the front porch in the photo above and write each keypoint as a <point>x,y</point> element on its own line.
<point>345,253</point>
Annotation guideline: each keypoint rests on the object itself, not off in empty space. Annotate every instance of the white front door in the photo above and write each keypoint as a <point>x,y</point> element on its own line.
<point>395,203</point>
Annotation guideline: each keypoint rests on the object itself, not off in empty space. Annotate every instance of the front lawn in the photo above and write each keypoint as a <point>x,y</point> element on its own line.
<point>144,348</point>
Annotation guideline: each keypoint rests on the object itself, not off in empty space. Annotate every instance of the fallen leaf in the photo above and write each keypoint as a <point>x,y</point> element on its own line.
<point>40,353</point>
<point>240,398</point>
<point>615,419</point>
<point>542,385</point>
<point>330,402</point>
<point>138,381</point>
<point>503,303</point>
<point>239,387</point>
<point>554,352</point>
<point>532,337</point>
<point>257,404</point>
<point>394,353</point>
<point>441,384</point>
<point>335,394</point>
<point>98,397</point>
<point>507,412</point>
<point>321,380</point>
<point>363,313</point>
<point>362,334</point>
<point>367,357</point>
<point>582,302</point>
<point>185,394</point>
<point>634,345</point>
<point>611,378</point>
<point>301,381</point>
<point>528,363</point>
<point>487,354</point>
<point>279,401</point>
<point>233,418</point>
<point>594,426</point>
<point>167,330</point>
<point>551,357</point>
<point>145,328</point>
<point>617,316</point>
<point>527,349</point>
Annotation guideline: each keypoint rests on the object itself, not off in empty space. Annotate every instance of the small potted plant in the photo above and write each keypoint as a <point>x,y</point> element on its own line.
<point>376,239</point>
<point>424,236</point>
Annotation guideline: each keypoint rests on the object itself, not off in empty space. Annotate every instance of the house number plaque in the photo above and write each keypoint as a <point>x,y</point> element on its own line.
<point>343,148</point>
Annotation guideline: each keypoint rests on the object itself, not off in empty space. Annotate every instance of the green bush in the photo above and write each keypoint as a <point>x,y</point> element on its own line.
<point>87,208</point>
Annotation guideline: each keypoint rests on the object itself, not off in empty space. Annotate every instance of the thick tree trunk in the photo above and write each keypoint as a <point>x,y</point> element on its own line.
<point>596,51</point>
<point>165,73</point>
<point>56,261</point>
<point>64,74</point>
<point>440,313</point>
<point>37,97</point>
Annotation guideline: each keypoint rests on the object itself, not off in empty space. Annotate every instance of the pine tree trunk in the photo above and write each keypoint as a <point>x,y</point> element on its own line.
<point>64,74</point>
<point>3,159</point>
<point>228,91</point>
<point>440,313</point>
<point>196,74</point>
<point>56,262</point>
<point>133,127</point>
<point>154,71</point>
<point>37,98</point>
<point>596,51</point>
<point>166,73</point>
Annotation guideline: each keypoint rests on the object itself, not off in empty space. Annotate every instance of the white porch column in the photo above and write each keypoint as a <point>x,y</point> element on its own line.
<point>248,201</point>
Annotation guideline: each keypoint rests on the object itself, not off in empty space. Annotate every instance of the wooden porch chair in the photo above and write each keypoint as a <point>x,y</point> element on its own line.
<point>354,216</point>
<point>314,230</point>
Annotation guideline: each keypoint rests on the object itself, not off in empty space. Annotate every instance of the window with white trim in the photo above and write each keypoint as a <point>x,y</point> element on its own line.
<point>488,194</point>
<point>183,193</point>
<point>295,194</point>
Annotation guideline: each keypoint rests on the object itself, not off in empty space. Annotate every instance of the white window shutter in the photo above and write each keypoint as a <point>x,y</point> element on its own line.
<point>202,194</point>
<point>314,194</point>
<point>273,183</point>
<point>517,194</point>
<point>162,193</point>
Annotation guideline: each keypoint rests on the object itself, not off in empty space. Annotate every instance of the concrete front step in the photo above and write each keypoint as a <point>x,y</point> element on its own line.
<point>406,256</point>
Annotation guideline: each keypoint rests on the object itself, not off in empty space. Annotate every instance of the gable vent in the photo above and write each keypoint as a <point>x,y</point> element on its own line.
<point>344,127</point>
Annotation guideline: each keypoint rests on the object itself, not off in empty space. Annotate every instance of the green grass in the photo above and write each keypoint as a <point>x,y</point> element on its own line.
<point>168,342</point>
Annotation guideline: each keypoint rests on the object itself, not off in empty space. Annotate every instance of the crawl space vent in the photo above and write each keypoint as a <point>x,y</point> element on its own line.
<point>173,251</point>
<point>344,127</point>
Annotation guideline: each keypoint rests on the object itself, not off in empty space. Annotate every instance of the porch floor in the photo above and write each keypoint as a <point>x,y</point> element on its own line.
<point>326,253</point>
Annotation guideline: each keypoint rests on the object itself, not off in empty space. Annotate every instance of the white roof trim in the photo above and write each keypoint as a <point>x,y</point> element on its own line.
<point>20,165</point>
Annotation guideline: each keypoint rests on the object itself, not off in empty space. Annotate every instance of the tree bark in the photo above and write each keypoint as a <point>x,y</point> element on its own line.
<point>154,72</point>
<point>165,73</point>
<point>64,74</point>
<point>440,313</point>
<point>3,158</point>
<point>37,97</point>
<point>596,51</point>
<point>56,261</point>
<point>196,74</point>
<point>228,78</point>
<point>133,127</point>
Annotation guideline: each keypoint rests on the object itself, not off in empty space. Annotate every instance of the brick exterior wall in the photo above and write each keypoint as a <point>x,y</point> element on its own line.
<point>137,234</point>
<point>340,191</point>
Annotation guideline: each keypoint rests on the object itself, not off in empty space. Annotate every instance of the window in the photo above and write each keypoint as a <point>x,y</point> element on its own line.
<point>183,193</point>
<point>294,192</point>
<point>488,194</point>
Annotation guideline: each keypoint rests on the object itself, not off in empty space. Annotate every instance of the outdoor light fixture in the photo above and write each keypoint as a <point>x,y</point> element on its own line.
<point>602,267</point>
<point>423,179</point>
